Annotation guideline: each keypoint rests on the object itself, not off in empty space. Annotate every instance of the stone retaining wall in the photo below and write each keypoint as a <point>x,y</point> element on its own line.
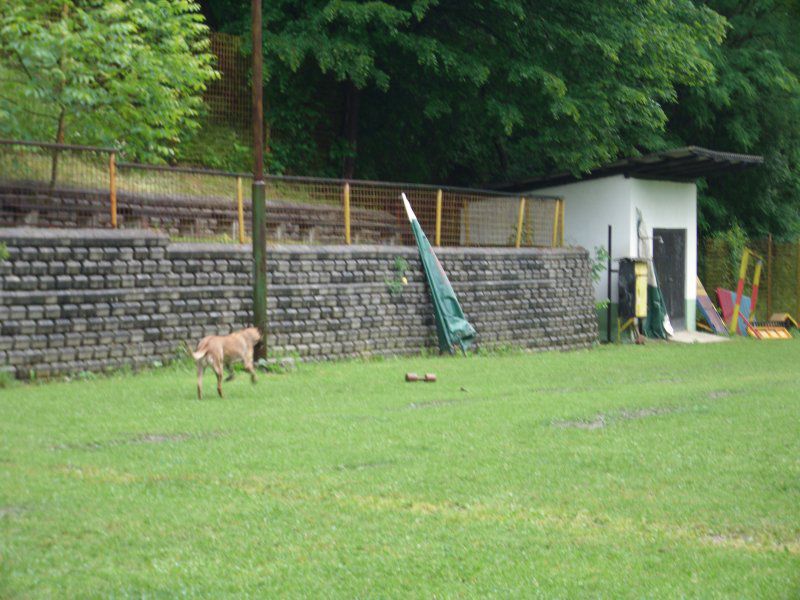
<point>75,300</point>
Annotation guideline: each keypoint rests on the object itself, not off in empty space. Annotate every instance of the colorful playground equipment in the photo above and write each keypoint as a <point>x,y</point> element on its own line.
<point>739,310</point>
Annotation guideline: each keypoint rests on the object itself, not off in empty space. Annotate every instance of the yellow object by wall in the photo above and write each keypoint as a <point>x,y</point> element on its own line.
<point>640,270</point>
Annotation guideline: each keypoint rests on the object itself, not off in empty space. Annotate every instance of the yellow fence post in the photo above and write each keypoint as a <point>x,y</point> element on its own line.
<point>529,225</point>
<point>347,213</point>
<point>561,222</point>
<point>240,208</point>
<point>520,220</point>
<point>438,217</point>
<point>112,185</point>
<point>555,223</point>
<point>734,324</point>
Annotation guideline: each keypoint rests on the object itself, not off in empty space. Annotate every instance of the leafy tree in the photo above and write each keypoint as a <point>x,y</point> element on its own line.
<point>752,105</point>
<point>513,89</point>
<point>469,90</point>
<point>124,73</point>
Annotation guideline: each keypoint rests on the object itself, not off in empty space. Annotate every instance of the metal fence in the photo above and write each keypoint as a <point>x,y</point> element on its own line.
<point>779,285</point>
<point>57,185</point>
<point>228,99</point>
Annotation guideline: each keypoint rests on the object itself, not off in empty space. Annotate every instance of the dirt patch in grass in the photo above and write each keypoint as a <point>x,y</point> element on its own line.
<point>730,540</point>
<point>435,403</point>
<point>643,413</point>
<point>719,394</point>
<point>602,420</point>
<point>10,511</point>
<point>597,423</point>
<point>752,542</point>
<point>161,438</point>
<point>365,465</point>
<point>142,438</point>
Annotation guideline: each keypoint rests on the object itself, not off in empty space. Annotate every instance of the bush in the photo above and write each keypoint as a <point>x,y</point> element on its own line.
<point>215,147</point>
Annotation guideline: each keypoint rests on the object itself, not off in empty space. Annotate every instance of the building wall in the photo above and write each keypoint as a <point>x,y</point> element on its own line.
<point>591,205</point>
<point>89,300</point>
<point>589,208</point>
<point>670,205</point>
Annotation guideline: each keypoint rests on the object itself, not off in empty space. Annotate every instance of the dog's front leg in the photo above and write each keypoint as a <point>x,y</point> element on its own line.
<point>248,365</point>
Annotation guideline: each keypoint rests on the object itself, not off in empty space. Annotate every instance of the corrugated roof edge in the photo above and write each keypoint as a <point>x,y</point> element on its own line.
<point>687,163</point>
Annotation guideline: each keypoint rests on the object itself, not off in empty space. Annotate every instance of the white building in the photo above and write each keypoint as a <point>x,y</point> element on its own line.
<point>663,187</point>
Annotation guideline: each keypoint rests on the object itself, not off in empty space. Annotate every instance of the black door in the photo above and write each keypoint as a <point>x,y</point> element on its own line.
<point>669,258</point>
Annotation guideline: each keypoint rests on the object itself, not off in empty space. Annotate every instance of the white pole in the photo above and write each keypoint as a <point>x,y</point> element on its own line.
<point>411,216</point>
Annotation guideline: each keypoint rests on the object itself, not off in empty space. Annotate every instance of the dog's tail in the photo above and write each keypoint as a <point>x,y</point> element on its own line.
<point>202,349</point>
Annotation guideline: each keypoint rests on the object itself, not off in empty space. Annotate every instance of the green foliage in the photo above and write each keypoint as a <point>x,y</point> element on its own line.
<point>423,90</point>
<point>126,74</point>
<point>3,252</point>
<point>511,476</point>
<point>86,376</point>
<point>6,379</point>
<point>751,105</point>
<point>599,263</point>
<point>216,147</point>
<point>400,265</point>
<point>731,243</point>
<point>511,89</point>
<point>489,90</point>
<point>398,280</point>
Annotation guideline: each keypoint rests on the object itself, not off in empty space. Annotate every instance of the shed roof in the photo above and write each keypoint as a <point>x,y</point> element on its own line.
<point>680,164</point>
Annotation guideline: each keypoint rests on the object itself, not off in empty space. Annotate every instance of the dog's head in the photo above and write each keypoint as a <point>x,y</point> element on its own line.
<point>253,335</point>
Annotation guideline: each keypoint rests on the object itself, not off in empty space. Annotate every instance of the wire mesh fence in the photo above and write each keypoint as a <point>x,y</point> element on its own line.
<point>188,204</point>
<point>779,283</point>
<point>52,185</point>
<point>228,98</point>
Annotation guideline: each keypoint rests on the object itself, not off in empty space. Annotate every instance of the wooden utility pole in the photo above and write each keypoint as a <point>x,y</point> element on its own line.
<point>259,208</point>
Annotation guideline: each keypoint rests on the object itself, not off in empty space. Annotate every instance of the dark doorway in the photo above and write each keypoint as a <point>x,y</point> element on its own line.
<point>669,259</point>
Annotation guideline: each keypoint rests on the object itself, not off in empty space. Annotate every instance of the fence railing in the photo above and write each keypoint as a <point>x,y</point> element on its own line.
<point>59,185</point>
<point>779,284</point>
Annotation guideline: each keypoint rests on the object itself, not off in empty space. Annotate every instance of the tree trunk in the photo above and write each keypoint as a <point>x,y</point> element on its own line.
<point>502,155</point>
<point>62,114</point>
<point>59,140</point>
<point>352,101</point>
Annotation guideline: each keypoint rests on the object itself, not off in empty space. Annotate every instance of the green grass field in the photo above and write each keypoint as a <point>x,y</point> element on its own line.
<point>656,471</point>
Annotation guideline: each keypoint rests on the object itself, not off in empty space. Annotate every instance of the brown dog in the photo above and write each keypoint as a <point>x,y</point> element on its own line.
<point>220,351</point>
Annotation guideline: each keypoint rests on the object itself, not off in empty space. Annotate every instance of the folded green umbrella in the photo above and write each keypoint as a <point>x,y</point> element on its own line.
<point>656,324</point>
<point>451,326</point>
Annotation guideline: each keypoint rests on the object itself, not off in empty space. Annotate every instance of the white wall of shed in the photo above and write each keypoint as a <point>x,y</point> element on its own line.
<point>589,208</point>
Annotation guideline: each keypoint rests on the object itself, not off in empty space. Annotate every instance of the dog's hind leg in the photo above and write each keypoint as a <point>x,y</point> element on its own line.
<point>218,371</point>
<point>200,369</point>
<point>231,372</point>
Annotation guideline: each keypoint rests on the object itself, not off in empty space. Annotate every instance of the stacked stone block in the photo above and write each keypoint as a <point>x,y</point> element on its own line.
<point>90,300</point>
